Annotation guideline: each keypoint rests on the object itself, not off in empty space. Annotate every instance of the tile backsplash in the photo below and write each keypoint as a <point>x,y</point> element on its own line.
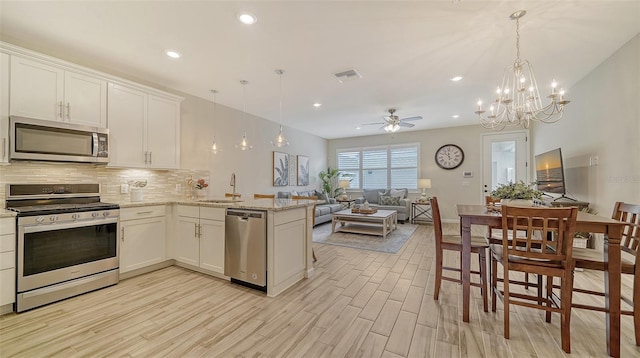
<point>161,184</point>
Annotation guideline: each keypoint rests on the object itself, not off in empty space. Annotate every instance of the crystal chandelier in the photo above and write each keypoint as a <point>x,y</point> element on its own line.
<point>244,144</point>
<point>280,140</point>
<point>518,101</point>
<point>214,146</point>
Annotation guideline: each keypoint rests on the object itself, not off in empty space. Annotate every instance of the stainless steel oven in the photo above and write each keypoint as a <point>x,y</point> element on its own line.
<point>66,244</point>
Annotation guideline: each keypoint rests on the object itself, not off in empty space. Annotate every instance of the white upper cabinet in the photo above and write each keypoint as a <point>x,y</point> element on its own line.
<point>45,91</point>
<point>163,132</point>
<point>144,129</point>
<point>4,108</point>
<point>127,114</point>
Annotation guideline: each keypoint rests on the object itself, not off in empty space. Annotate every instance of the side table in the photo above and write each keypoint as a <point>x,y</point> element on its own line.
<point>346,204</point>
<point>421,212</point>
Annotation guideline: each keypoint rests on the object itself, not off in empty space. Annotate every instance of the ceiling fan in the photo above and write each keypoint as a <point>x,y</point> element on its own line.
<point>392,123</point>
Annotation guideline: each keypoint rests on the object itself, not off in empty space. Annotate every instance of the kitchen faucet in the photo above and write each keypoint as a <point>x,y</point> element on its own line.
<point>233,184</point>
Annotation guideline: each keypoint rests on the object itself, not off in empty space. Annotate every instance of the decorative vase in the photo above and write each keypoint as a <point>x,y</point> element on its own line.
<point>517,202</point>
<point>201,193</point>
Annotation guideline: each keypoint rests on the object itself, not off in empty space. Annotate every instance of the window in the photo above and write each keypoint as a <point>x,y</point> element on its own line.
<point>393,166</point>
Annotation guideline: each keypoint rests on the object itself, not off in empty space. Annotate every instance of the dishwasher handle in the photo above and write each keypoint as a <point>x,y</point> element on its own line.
<point>244,215</point>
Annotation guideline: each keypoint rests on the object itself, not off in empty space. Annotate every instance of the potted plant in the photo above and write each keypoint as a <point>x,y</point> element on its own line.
<point>200,187</point>
<point>517,193</point>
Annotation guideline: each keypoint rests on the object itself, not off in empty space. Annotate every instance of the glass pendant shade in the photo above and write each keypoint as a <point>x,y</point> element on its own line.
<point>280,140</point>
<point>244,143</point>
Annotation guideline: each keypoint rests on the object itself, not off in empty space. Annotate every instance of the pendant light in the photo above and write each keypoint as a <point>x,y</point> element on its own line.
<point>244,144</point>
<point>214,146</point>
<point>280,141</point>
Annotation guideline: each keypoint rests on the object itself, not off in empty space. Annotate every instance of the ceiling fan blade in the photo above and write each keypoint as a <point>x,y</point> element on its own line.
<point>412,118</point>
<point>408,125</point>
<point>372,124</point>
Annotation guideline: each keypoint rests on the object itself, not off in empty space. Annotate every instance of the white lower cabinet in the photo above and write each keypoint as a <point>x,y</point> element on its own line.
<point>7,261</point>
<point>142,237</point>
<point>200,237</point>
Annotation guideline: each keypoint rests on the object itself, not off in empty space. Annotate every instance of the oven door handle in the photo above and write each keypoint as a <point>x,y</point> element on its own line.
<point>50,227</point>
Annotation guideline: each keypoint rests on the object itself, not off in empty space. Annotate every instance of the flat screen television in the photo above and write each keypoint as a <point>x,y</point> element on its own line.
<point>550,172</point>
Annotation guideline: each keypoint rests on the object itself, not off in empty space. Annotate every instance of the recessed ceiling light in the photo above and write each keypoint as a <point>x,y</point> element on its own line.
<point>358,128</point>
<point>456,78</point>
<point>456,116</point>
<point>247,18</point>
<point>317,104</point>
<point>173,54</point>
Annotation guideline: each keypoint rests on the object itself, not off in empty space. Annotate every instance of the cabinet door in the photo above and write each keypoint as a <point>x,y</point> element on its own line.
<point>143,243</point>
<point>163,133</point>
<point>288,251</point>
<point>36,90</point>
<point>212,245</point>
<point>85,100</point>
<point>4,107</point>
<point>127,113</point>
<point>187,244</point>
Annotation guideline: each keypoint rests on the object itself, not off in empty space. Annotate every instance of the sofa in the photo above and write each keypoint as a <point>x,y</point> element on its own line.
<point>323,211</point>
<point>388,199</point>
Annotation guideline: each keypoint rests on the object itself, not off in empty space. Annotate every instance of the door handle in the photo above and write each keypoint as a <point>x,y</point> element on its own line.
<point>4,147</point>
<point>122,234</point>
<point>145,157</point>
<point>60,110</point>
<point>195,230</point>
<point>150,153</point>
<point>68,110</point>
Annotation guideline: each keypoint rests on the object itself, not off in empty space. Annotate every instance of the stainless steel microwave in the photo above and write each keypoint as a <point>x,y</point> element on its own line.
<point>35,139</point>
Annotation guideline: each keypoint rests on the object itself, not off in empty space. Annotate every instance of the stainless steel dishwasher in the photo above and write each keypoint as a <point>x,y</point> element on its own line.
<point>245,242</point>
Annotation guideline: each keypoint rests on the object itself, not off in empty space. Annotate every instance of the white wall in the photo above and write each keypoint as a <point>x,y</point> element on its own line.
<point>603,120</point>
<point>253,168</point>
<point>448,185</point>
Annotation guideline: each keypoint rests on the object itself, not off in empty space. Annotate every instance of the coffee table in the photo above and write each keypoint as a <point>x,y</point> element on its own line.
<point>380,223</point>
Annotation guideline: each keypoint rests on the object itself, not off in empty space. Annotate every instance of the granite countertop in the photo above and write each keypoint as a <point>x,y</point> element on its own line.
<point>255,204</point>
<point>4,213</point>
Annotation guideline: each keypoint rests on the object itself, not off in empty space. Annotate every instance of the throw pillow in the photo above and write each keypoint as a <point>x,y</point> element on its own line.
<point>389,200</point>
<point>398,192</point>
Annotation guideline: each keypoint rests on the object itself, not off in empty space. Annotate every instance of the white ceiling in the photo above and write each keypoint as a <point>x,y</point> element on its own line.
<point>405,51</point>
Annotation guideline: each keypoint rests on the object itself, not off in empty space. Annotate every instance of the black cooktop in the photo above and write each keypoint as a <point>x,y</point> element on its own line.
<point>47,209</point>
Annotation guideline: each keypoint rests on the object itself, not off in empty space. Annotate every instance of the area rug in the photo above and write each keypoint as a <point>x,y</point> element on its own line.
<point>392,243</point>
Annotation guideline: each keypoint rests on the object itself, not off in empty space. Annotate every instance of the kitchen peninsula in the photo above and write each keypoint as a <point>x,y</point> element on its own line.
<point>195,237</point>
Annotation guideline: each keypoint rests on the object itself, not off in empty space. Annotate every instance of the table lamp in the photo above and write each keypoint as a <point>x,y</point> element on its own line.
<point>344,184</point>
<point>424,184</point>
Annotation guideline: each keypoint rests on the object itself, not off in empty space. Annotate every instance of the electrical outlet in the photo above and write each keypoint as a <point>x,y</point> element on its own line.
<point>178,188</point>
<point>595,161</point>
<point>124,188</point>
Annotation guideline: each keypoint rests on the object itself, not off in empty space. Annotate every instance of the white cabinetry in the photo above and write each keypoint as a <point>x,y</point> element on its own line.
<point>4,107</point>
<point>200,237</point>
<point>287,246</point>
<point>45,91</point>
<point>142,237</point>
<point>7,261</point>
<point>144,129</point>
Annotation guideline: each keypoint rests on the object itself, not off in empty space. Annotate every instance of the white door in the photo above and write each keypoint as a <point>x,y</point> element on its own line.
<point>4,108</point>
<point>505,158</point>
<point>187,244</point>
<point>36,90</point>
<point>127,114</point>
<point>212,245</point>
<point>163,133</point>
<point>85,100</point>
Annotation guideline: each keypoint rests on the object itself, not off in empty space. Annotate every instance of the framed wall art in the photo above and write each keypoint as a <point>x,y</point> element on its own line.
<point>280,169</point>
<point>303,170</point>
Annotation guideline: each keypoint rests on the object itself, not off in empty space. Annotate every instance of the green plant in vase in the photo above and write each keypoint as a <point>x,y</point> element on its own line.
<point>517,191</point>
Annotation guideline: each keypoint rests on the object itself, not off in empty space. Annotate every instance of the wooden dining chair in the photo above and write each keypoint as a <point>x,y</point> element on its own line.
<point>630,245</point>
<point>454,243</point>
<point>313,221</point>
<point>230,195</point>
<point>494,236</point>
<point>546,251</point>
<point>264,196</point>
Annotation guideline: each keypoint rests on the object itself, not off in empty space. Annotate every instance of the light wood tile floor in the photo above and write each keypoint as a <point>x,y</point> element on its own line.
<point>359,304</point>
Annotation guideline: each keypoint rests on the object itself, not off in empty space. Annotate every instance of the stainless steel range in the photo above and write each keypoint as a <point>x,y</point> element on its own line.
<point>66,241</point>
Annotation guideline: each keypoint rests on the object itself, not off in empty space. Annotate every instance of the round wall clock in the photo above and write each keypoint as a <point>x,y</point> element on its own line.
<point>449,156</point>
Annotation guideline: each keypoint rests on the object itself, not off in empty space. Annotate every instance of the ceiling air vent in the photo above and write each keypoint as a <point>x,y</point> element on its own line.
<point>347,75</point>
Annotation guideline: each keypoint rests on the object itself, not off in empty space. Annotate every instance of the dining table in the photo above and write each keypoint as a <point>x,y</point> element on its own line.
<point>585,222</point>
